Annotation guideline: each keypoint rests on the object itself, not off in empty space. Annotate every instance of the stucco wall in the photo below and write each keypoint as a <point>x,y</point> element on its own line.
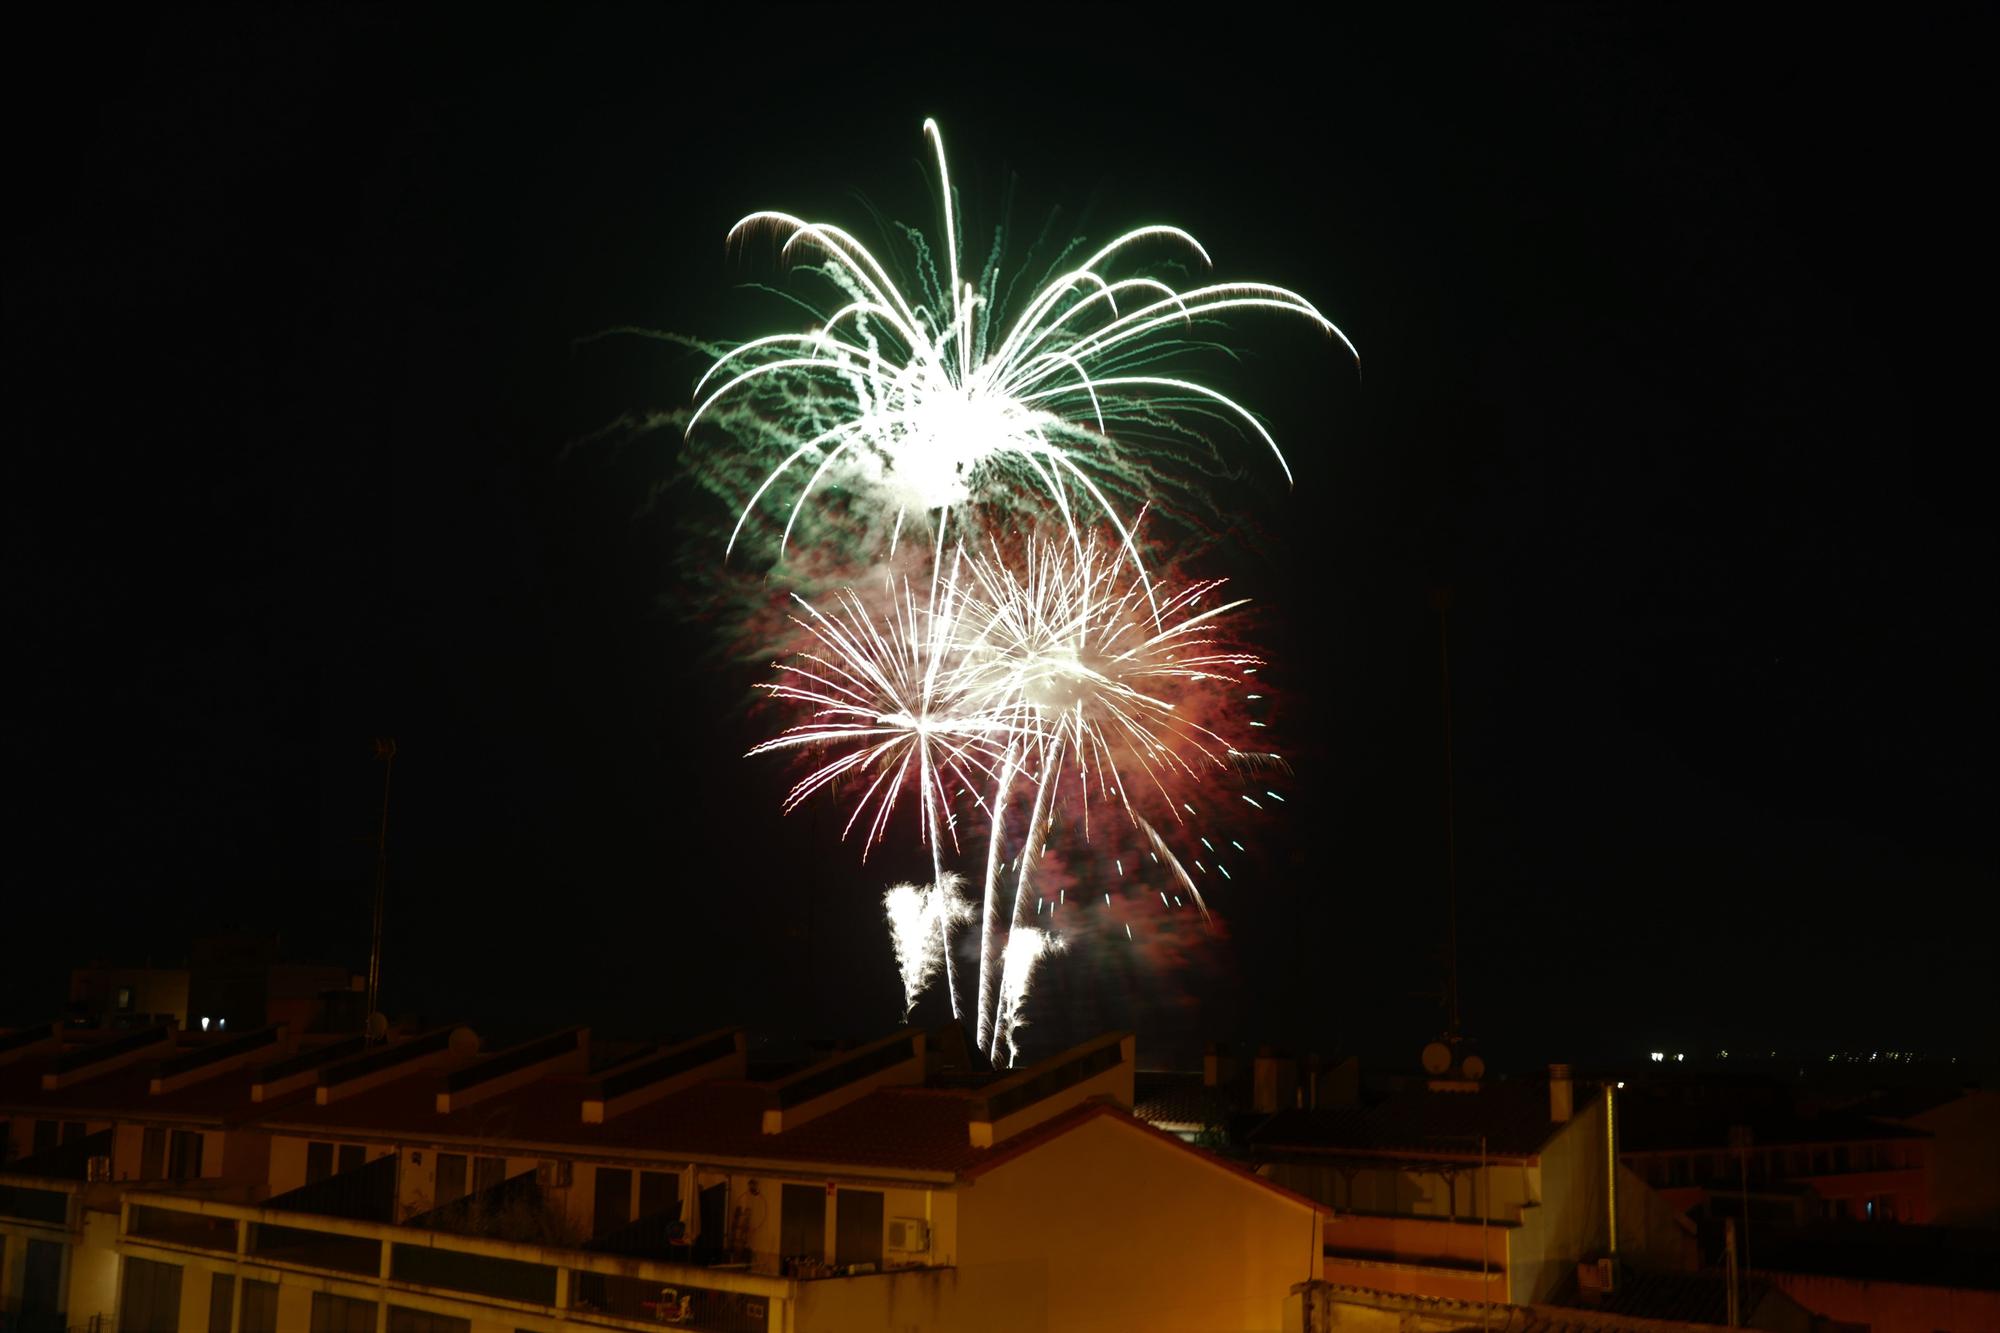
<point>1963,1170</point>
<point>93,1269</point>
<point>1572,1221</point>
<point>1108,1228</point>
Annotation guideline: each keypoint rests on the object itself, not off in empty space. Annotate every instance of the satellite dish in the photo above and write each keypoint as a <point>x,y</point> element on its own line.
<point>464,1041</point>
<point>1474,1067</point>
<point>1437,1058</point>
<point>378,1025</point>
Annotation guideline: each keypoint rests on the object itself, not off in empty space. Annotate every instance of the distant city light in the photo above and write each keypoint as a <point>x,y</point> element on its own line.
<point>1659,1056</point>
<point>204,1025</point>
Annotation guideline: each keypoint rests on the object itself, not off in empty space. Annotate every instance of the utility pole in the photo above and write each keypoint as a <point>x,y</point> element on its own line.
<point>385,750</point>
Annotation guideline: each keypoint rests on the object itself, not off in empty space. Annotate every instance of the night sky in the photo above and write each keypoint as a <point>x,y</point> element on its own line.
<point>1671,334</point>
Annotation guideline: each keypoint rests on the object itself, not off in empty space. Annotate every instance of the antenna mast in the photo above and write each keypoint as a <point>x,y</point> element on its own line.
<point>1441,598</point>
<point>385,750</point>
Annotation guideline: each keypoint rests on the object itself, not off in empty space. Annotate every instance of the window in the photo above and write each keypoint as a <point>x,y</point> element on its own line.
<point>450,1177</point>
<point>150,1301</point>
<point>221,1296</point>
<point>46,1132</point>
<point>153,1154</point>
<point>611,1205</point>
<point>659,1194</point>
<point>802,1222</point>
<point>184,1154</point>
<point>352,1157</point>
<point>319,1161</point>
<point>857,1227</point>
<point>73,1130</point>
<point>405,1320</point>
<point>124,999</point>
<point>260,1308</point>
<point>341,1314</point>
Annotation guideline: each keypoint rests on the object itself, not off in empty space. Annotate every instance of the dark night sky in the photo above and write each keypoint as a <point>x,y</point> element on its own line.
<point>1670,335</point>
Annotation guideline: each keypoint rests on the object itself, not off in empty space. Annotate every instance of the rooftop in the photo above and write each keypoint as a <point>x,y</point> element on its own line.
<point>1511,1115</point>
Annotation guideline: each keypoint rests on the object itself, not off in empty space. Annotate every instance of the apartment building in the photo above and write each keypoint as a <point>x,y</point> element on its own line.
<point>430,1184</point>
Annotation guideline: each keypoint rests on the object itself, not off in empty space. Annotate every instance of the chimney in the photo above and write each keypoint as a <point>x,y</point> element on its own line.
<point>1264,1085</point>
<point>1561,1094</point>
<point>1218,1066</point>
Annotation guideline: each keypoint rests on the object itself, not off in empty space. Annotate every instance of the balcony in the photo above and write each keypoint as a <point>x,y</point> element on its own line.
<point>504,1278</point>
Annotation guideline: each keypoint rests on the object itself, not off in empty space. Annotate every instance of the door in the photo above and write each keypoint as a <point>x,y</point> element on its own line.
<point>802,1223</point>
<point>857,1227</point>
<point>611,1204</point>
<point>714,1237</point>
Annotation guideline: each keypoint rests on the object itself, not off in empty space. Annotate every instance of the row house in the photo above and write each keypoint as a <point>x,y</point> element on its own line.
<point>1461,1189</point>
<point>429,1184</point>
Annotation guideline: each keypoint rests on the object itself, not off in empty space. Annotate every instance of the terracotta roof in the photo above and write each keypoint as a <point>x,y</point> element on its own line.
<point>1178,1099</point>
<point>1695,1298</point>
<point>1930,1256</point>
<point>1650,1124</point>
<point>1056,1126</point>
<point>1513,1118</point>
<point>124,1094</point>
<point>897,1128</point>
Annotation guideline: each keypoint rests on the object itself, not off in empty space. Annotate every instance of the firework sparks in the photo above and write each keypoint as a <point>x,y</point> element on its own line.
<point>1026,947</point>
<point>943,398</point>
<point>1035,672</point>
<point>920,921</point>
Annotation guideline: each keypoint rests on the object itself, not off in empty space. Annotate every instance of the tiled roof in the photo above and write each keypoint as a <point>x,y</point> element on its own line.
<point>896,1128</point>
<point>1962,1257</point>
<point>1178,1099</point>
<point>1695,1298</point>
<point>1507,1318</point>
<point>1903,1103</point>
<point>1512,1117</point>
<point>223,1099</point>
<point>1650,1124</point>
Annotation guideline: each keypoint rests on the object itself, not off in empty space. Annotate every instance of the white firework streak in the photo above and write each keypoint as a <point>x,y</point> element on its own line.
<point>1026,946</point>
<point>1067,653</point>
<point>1048,669</point>
<point>952,405</point>
<point>890,697</point>
<point>920,921</point>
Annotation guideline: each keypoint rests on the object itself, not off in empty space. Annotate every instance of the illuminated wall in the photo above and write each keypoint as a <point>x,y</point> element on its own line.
<point>1107,1227</point>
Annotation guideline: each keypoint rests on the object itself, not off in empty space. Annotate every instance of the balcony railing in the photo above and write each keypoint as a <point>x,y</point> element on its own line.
<point>573,1284</point>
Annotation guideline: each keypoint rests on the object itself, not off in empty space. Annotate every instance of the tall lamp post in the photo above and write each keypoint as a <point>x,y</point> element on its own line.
<point>385,750</point>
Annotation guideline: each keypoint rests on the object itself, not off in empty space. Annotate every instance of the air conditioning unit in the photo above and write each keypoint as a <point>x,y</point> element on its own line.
<point>99,1169</point>
<point>553,1175</point>
<point>1594,1275</point>
<point>909,1234</point>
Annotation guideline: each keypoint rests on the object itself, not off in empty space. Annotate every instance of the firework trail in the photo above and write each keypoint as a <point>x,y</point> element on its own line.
<point>888,696</point>
<point>1036,674</point>
<point>1026,946</point>
<point>1106,689</point>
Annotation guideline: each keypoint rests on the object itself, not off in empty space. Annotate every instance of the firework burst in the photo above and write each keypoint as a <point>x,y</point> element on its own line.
<point>1035,672</point>
<point>944,398</point>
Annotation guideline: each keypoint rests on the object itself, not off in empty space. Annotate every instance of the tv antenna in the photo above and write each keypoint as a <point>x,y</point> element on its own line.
<point>385,750</point>
<point>1441,599</point>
